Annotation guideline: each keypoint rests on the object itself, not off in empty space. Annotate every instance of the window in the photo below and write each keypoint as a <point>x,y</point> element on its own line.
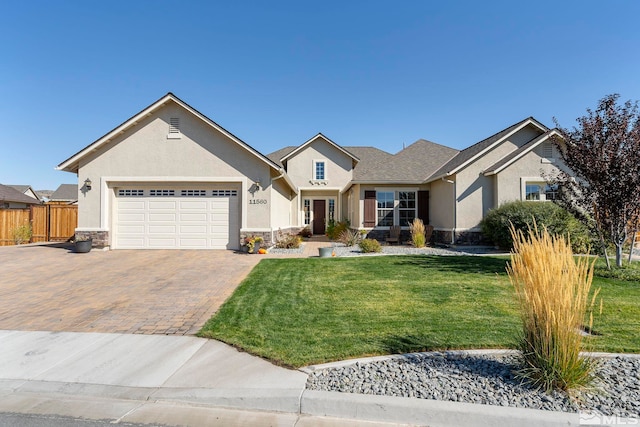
<point>551,192</point>
<point>162,193</point>
<point>406,207</point>
<point>130,193</point>
<point>319,172</point>
<point>533,192</point>
<point>332,210</point>
<point>224,193</point>
<point>307,211</point>
<point>385,202</point>
<point>191,193</point>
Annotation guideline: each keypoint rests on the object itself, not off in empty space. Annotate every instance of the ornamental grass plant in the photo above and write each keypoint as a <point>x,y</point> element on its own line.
<point>553,290</point>
<point>417,233</point>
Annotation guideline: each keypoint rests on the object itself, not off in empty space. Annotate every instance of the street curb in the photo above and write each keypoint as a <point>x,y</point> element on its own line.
<point>427,412</point>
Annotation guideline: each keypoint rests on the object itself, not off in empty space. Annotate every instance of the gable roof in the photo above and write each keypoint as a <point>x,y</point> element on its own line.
<point>519,153</point>
<point>65,193</point>
<point>412,164</point>
<point>10,194</point>
<point>318,135</point>
<point>479,149</point>
<point>72,163</point>
<point>24,189</point>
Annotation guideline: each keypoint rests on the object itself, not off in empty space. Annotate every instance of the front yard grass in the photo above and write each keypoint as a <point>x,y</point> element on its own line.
<point>297,312</point>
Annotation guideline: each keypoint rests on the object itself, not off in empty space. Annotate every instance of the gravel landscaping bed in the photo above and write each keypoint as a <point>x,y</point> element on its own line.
<point>346,251</point>
<point>485,379</point>
<point>274,250</point>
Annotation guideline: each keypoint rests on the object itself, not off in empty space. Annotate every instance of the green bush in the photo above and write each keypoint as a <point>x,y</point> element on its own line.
<point>335,229</point>
<point>22,234</point>
<point>523,214</point>
<point>370,246</point>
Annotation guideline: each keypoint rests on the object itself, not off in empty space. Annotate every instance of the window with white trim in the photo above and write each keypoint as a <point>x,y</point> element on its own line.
<point>307,211</point>
<point>332,210</point>
<point>533,191</point>
<point>385,202</point>
<point>396,208</point>
<point>406,207</point>
<point>319,172</point>
<point>540,191</point>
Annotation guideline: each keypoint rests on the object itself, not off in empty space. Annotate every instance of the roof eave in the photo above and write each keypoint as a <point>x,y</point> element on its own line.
<point>542,138</point>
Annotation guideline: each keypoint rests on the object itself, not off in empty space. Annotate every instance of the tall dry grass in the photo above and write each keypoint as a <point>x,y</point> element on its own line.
<point>417,230</point>
<point>553,291</point>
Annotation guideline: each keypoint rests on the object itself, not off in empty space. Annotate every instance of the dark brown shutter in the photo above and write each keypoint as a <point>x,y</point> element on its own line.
<point>423,206</point>
<point>369,209</point>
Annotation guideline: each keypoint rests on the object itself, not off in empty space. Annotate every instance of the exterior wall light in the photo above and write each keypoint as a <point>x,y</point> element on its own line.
<point>87,184</point>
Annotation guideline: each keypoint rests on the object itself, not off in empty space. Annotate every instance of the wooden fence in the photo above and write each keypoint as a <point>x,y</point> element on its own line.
<point>49,223</point>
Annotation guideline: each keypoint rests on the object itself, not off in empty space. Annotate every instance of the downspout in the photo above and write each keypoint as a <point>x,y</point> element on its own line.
<point>455,205</point>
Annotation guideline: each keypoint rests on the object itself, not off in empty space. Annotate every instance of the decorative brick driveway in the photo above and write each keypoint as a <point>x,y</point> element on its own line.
<point>50,288</point>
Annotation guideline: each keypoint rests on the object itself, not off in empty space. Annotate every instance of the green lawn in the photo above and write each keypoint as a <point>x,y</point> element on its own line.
<point>303,311</point>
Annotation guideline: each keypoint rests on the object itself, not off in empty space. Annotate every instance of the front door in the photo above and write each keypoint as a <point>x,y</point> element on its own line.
<point>319,216</point>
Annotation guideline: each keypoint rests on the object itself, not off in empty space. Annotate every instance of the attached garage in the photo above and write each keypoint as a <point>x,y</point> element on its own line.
<point>166,217</point>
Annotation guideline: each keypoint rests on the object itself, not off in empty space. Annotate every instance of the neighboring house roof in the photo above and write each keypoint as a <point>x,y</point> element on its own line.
<point>65,193</point>
<point>470,154</point>
<point>72,163</point>
<point>26,190</point>
<point>318,135</point>
<point>10,194</point>
<point>519,153</point>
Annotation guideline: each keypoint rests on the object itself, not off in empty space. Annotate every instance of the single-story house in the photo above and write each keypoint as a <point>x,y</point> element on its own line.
<point>65,194</point>
<point>170,177</point>
<point>10,198</point>
<point>27,190</point>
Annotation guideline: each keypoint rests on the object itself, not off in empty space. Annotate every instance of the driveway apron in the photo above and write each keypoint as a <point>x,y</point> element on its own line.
<point>173,292</point>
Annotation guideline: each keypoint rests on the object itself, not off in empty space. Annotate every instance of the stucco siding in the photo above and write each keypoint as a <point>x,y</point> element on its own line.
<point>441,204</point>
<point>201,153</point>
<point>281,205</point>
<point>338,165</point>
<point>475,191</point>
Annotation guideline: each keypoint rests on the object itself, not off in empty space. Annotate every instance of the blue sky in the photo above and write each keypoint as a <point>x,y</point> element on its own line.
<point>275,73</point>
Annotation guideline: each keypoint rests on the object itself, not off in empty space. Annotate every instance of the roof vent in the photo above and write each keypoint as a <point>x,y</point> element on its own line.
<point>174,128</point>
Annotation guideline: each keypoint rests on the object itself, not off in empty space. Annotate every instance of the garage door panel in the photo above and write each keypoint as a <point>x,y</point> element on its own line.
<point>162,217</point>
<point>189,219</point>
<point>200,205</point>
<point>162,204</point>
<point>131,204</point>
<point>193,217</point>
<point>130,217</point>
<point>162,229</point>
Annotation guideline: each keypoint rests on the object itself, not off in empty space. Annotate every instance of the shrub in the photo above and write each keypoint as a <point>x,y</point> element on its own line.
<point>288,241</point>
<point>552,290</point>
<point>523,214</point>
<point>22,234</point>
<point>335,229</point>
<point>350,237</point>
<point>305,232</point>
<point>370,245</point>
<point>417,233</point>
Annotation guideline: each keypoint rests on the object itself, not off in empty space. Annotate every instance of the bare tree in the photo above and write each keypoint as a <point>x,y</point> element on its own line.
<point>603,152</point>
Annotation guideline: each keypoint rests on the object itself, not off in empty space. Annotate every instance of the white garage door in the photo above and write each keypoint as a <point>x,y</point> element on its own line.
<point>162,218</point>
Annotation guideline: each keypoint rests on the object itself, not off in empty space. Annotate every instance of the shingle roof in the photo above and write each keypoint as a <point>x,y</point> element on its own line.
<point>370,160</point>
<point>65,192</point>
<point>477,148</point>
<point>23,189</point>
<point>279,154</point>
<point>9,194</point>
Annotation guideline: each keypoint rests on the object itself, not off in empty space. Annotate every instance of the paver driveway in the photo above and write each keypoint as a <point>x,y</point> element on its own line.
<point>50,288</point>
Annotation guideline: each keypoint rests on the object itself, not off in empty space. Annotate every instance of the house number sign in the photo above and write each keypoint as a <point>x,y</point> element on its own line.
<point>257,201</point>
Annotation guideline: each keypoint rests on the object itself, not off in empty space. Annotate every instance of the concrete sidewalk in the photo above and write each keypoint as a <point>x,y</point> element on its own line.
<point>192,381</point>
